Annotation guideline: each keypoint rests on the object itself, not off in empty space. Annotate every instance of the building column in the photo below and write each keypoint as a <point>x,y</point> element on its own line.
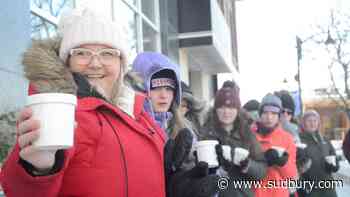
<point>14,38</point>
<point>184,70</point>
<point>201,85</point>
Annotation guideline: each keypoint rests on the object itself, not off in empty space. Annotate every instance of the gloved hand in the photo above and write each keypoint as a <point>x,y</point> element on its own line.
<point>303,160</point>
<point>272,157</point>
<point>42,160</point>
<point>176,151</point>
<point>302,155</point>
<point>237,160</point>
<point>193,183</point>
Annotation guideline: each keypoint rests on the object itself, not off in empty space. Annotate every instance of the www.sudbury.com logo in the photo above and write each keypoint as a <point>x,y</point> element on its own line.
<point>225,182</point>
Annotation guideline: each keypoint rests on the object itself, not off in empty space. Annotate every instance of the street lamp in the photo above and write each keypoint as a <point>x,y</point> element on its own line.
<point>329,40</point>
<point>299,41</point>
<point>297,77</point>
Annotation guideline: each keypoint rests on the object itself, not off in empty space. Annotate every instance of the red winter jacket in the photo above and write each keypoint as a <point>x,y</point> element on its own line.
<point>275,174</point>
<point>113,156</point>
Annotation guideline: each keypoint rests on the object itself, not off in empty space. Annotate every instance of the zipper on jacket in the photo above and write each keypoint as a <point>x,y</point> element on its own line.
<point>123,156</point>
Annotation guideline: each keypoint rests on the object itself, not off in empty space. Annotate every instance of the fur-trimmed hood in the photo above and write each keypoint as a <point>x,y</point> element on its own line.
<point>48,73</point>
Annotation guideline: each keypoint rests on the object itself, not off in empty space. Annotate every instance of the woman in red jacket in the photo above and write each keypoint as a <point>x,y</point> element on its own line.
<point>118,149</point>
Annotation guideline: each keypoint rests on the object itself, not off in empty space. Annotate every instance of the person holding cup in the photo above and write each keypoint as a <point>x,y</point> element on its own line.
<point>158,77</point>
<point>89,60</point>
<point>239,154</point>
<point>279,148</point>
<point>322,154</point>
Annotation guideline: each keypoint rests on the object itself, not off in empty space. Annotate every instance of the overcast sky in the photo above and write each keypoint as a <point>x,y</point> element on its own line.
<point>266,44</point>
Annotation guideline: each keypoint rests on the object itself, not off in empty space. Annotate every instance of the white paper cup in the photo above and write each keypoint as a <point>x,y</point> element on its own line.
<point>239,155</point>
<point>279,149</point>
<point>331,159</point>
<point>301,145</point>
<point>206,152</point>
<point>226,151</point>
<point>56,113</point>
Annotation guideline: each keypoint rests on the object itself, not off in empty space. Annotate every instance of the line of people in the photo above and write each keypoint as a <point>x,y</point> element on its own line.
<point>137,130</point>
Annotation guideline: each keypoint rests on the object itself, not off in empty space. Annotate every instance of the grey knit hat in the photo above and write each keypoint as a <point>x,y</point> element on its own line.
<point>271,103</point>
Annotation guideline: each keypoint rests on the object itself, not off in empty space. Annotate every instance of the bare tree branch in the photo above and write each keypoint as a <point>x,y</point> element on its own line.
<point>337,45</point>
<point>50,3</point>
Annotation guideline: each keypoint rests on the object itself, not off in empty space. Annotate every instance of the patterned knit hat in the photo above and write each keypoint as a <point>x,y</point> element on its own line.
<point>227,97</point>
<point>165,77</point>
<point>83,26</point>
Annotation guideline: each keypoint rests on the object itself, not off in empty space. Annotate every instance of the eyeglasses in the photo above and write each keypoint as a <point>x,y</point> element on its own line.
<point>288,111</point>
<point>105,56</point>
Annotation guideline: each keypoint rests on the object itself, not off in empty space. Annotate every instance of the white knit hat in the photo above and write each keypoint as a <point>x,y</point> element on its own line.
<point>83,26</point>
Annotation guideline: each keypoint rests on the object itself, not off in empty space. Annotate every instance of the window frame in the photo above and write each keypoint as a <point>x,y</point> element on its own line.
<point>140,18</point>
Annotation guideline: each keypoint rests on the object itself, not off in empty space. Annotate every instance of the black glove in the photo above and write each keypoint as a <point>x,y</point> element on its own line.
<point>182,147</point>
<point>226,164</point>
<point>193,183</point>
<point>222,161</point>
<point>303,160</point>
<point>176,151</point>
<point>331,167</point>
<point>302,156</point>
<point>272,157</point>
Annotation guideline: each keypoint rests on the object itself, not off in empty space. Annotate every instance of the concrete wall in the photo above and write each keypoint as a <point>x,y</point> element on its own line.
<point>14,39</point>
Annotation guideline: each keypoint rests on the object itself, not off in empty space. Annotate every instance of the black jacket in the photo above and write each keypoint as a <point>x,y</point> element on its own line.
<point>317,148</point>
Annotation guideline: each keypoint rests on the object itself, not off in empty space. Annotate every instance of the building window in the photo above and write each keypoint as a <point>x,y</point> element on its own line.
<point>44,16</point>
<point>150,37</point>
<point>140,19</point>
<point>169,29</point>
<point>149,10</point>
<point>124,14</point>
<point>41,28</point>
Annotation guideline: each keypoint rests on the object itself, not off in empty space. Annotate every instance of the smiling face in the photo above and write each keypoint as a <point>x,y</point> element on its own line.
<point>102,69</point>
<point>226,115</point>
